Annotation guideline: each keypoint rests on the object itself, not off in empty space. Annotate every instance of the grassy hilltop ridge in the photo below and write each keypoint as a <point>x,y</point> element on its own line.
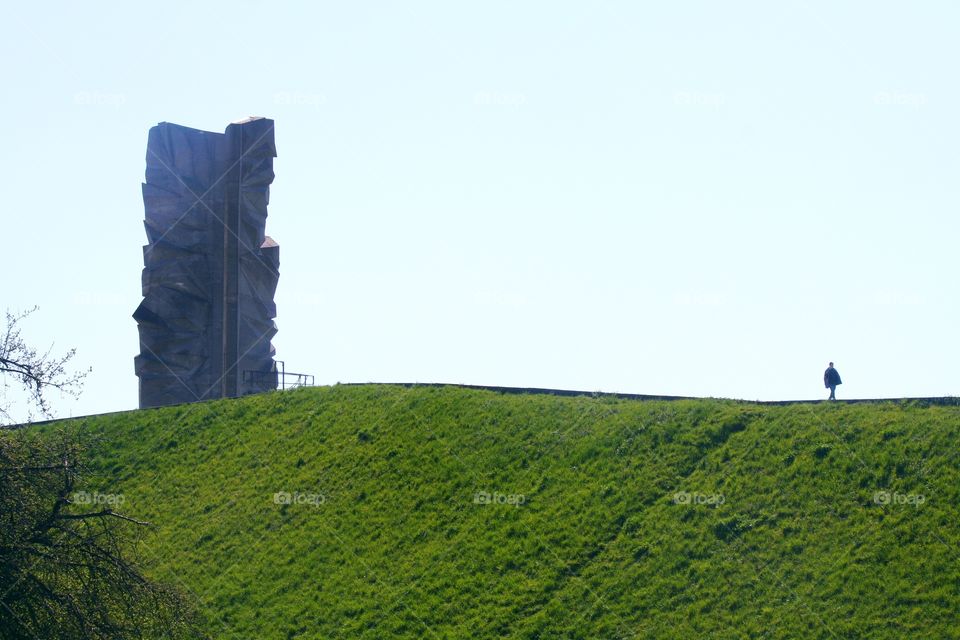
<point>384,511</point>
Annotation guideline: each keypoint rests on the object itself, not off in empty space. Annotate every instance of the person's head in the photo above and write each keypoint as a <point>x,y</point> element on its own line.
<point>831,364</point>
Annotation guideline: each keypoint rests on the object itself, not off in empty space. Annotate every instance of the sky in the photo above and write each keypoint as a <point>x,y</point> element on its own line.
<point>686,198</point>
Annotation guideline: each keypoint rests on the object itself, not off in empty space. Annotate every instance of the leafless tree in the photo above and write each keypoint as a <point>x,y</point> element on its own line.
<point>66,563</point>
<point>36,372</point>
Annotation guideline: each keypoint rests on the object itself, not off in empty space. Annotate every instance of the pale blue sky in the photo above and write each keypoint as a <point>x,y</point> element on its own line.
<point>692,198</point>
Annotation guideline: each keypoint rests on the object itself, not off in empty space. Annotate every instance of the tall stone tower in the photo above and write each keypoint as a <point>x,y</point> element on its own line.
<point>210,272</point>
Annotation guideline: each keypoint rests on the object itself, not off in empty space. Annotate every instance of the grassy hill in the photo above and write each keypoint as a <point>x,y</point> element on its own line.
<point>383,511</point>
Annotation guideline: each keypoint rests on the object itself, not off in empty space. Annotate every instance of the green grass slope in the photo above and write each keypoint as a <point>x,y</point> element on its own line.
<point>452,513</point>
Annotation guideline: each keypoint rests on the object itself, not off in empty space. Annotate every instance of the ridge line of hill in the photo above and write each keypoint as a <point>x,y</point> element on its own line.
<point>929,400</point>
<point>921,400</point>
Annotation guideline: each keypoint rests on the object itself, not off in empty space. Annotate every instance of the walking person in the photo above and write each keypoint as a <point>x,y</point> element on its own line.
<point>830,380</point>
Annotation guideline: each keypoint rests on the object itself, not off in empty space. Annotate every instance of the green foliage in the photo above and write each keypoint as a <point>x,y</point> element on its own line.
<point>450,513</point>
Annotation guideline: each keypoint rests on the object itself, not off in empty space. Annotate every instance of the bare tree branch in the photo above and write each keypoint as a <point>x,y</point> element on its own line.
<point>33,371</point>
<point>66,571</point>
<point>103,514</point>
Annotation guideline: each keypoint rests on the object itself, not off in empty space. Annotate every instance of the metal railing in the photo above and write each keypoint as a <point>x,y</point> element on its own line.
<point>278,378</point>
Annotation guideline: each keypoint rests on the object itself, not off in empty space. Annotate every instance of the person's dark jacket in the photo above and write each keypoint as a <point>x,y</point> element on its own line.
<point>830,376</point>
